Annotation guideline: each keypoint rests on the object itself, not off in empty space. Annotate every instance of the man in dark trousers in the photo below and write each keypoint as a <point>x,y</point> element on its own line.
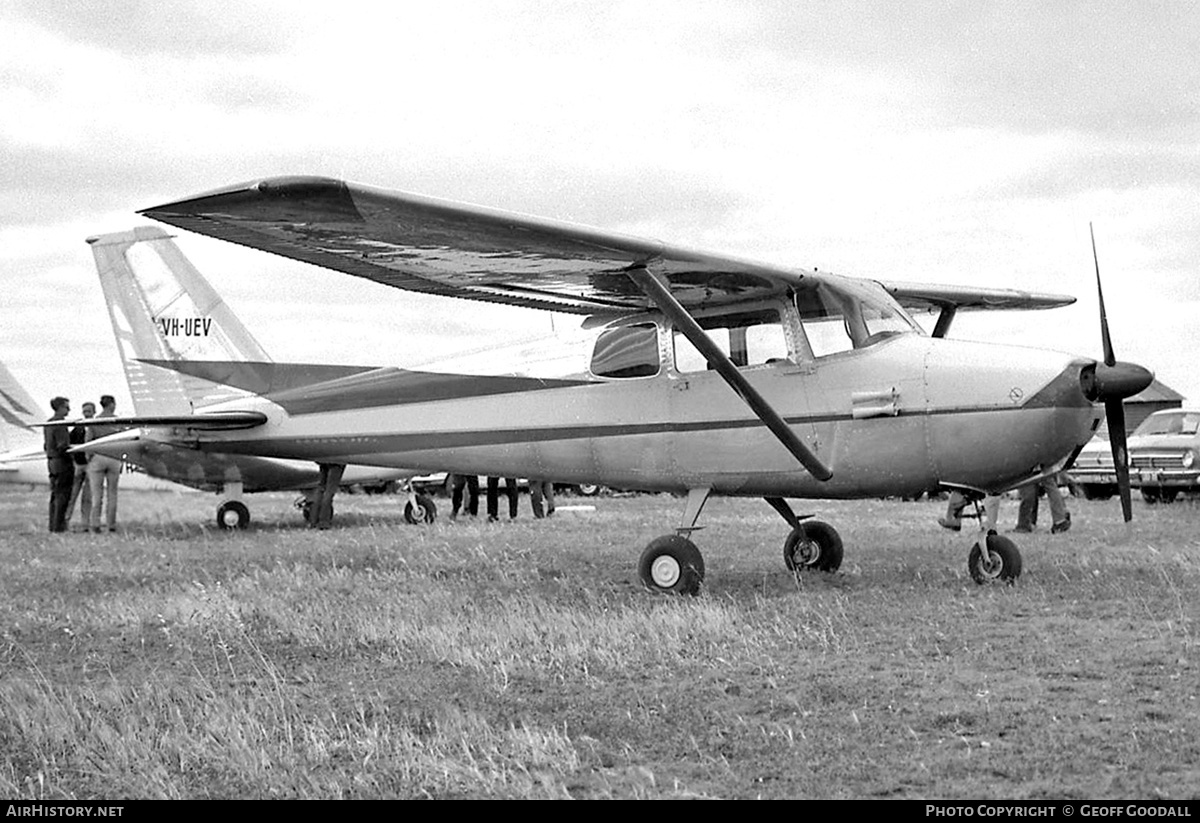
<point>57,440</point>
<point>493,497</point>
<point>459,483</point>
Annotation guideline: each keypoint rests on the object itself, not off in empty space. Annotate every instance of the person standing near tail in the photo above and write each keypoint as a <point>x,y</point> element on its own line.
<point>104,473</point>
<point>56,442</point>
<point>81,490</point>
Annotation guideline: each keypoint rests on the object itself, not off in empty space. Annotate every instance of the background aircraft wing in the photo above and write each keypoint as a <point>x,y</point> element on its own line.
<point>424,244</point>
<point>931,296</point>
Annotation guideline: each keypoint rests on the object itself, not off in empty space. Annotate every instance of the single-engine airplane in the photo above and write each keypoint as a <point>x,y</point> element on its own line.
<point>706,374</point>
<point>163,310</point>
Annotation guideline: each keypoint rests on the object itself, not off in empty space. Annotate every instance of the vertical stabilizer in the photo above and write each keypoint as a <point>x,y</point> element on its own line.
<point>18,411</point>
<point>162,309</point>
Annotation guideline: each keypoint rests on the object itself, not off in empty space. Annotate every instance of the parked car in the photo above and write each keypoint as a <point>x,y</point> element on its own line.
<point>1164,455</point>
<point>1093,475</point>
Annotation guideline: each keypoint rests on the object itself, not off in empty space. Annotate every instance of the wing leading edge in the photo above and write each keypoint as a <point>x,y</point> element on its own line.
<point>424,244</point>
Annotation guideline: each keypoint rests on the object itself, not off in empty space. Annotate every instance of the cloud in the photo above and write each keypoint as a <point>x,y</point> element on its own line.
<point>1112,69</point>
<point>168,27</point>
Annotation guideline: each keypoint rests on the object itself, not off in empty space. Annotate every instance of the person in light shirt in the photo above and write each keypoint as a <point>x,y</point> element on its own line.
<point>104,473</point>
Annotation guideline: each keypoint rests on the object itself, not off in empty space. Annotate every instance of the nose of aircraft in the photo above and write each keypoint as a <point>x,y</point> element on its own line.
<point>997,413</point>
<point>1115,382</point>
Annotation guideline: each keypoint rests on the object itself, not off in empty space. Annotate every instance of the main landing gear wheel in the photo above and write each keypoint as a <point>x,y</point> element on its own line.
<point>427,513</point>
<point>233,514</point>
<point>1003,561</point>
<point>813,545</point>
<point>672,564</point>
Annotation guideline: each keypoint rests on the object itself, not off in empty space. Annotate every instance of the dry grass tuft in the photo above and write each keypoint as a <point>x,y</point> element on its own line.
<point>522,659</point>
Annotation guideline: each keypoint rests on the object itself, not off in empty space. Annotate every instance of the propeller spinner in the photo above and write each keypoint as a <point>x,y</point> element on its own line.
<point>1111,383</point>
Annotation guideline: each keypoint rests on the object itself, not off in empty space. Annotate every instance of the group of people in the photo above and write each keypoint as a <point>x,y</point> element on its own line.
<point>464,496</point>
<point>1027,510</point>
<point>87,479</point>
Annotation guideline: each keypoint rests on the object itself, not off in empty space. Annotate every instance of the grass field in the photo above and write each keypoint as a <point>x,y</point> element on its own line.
<point>522,659</point>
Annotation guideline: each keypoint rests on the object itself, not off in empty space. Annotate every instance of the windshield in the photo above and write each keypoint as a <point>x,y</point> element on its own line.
<point>1170,423</point>
<point>839,314</point>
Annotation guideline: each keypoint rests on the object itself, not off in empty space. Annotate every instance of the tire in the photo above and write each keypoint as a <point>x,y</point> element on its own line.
<point>672,565</point>
<point>1093,491</point>
<point>427,513</point>
<point>232,514</point>
<point>1003,565</point>
<point>813,545</point>
<point>588,489</point>
<point>1151,495</point>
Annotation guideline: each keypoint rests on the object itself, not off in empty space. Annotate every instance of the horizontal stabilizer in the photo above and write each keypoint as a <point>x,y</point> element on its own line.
<point>213,421</point>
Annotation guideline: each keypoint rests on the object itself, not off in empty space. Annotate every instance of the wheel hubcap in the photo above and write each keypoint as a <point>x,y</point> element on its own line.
<point>665,571</point>
<point>991,565</point>
<point>806,553</point>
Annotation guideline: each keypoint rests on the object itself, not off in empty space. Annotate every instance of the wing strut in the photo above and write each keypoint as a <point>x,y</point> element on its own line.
<point>945,318</point>
<point>683,321</point>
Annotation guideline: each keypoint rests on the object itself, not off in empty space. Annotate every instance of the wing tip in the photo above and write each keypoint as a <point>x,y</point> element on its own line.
<point>266,188</point>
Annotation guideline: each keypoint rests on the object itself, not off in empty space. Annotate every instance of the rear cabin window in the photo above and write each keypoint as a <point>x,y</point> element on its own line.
<point>628,351</point>
<point>747,338</point>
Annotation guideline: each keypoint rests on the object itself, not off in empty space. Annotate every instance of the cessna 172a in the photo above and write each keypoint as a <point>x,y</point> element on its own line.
<point>154,296</point>
<point>706,375</point>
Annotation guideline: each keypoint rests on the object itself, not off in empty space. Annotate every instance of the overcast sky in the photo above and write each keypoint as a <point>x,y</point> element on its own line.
<point>957,142</point>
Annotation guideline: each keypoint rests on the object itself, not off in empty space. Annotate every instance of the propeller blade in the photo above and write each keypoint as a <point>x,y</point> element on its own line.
<point>1114,410</point>
<point>1113,382</point>
<point>1109,358</point>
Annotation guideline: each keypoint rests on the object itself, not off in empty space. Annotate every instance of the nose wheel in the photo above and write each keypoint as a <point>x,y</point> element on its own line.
<point>999,563</point>
<point>420,508</point>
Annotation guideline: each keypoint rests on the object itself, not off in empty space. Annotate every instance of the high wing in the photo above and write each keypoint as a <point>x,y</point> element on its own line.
<point>419,243</point>
<point>424,244</point>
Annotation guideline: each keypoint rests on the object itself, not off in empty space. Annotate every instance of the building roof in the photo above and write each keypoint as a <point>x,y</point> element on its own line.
<point>1157,392</point>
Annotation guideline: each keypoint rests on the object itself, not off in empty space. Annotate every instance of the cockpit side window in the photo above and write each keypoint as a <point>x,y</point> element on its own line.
<point>627,351</point>
<point>826,318</point>
<point>748,338</point>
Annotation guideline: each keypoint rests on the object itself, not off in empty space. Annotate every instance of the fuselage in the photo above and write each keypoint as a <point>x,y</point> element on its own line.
<point>898,416</point>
